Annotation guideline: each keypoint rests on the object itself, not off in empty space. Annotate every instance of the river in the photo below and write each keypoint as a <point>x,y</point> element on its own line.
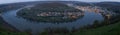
<point>23,24</point>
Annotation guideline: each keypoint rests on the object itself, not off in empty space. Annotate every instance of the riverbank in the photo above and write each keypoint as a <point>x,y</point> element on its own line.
<point>112,29</point>
<point>7,26</point>
<point>6,29</point>
<point>107,27</point>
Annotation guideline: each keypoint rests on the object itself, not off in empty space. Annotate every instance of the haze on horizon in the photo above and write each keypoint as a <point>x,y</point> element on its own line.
<point>14,1</point>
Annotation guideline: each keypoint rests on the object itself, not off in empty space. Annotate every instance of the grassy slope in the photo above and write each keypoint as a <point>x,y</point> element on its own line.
<point>113,29</point>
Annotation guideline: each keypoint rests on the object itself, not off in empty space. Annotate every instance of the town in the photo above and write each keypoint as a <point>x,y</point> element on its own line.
<point>64,14</point>
<point>95,9</point>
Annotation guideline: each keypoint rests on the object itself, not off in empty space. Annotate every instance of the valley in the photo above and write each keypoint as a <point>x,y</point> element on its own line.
<point>59,18</point>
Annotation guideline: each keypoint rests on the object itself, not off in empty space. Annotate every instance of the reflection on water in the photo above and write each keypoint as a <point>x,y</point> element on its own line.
<point>23,24</point>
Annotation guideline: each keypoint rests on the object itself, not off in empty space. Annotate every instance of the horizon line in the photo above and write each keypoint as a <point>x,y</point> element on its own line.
<point>61,0</point>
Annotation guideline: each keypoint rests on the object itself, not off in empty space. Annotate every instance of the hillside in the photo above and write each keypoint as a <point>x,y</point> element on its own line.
<point>111,6</point>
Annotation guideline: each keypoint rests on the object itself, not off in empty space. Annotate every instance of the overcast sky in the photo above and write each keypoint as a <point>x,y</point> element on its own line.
<point>13,1</point>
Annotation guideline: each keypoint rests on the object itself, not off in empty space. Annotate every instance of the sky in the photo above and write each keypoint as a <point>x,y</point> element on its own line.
<point>13,1</point>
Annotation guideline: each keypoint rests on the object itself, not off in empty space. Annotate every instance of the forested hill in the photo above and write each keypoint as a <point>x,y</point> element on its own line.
<point>50,5</point>
<point>112,6</point>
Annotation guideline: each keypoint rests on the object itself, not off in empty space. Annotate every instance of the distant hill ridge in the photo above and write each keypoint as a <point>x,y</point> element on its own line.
<point>52,5</point>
